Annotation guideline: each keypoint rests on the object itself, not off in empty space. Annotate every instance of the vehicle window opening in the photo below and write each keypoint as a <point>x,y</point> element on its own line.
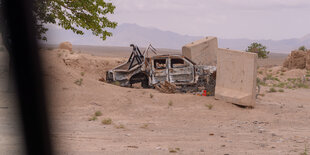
<point>160,64</point>
<point>178,63</point>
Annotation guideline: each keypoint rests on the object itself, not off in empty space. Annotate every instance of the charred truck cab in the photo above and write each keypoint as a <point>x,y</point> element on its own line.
<point>150,71</point>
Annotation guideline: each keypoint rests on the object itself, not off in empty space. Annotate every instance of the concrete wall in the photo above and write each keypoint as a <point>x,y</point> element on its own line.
<point>236,77</point>
<point>202,52</point>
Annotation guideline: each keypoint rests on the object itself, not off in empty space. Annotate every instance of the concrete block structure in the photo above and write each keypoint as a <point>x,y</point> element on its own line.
<point>202,52</point>
<point>236,77</point>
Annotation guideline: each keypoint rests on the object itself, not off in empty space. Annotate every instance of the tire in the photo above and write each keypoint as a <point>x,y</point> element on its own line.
<point>145,84</point>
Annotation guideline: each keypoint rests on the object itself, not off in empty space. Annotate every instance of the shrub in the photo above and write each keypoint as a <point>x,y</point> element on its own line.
<point>305,152</point>
<point>272,90</point>
<point>120,126</point>
<point>277,79</point>
<point>302,48</point>
<point>170,103</point>
<point>107,121</point>
<point>289,87</point>
<point>302,85</point>
<point>93,118</point>
<point>260,82</point>
<point>281,85</point>
<point>82,73</point>
<point>171,150</point>
<point>298,79</point>
<point>78,82</point>
<point>269,77</point>
<point>281,90</point>
<point>259,49</point>
<point>210,106</point>
<point>144,126</point>
<point>98,113</point>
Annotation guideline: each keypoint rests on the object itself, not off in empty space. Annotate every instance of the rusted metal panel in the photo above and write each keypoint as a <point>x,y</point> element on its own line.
<point>181,74</point>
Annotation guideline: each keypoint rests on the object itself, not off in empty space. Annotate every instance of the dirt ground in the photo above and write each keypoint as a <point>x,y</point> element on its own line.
<point>145,121</point>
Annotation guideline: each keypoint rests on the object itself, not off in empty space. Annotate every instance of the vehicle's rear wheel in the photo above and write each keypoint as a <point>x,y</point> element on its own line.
<point>140,77</point>
<point>145,84</point>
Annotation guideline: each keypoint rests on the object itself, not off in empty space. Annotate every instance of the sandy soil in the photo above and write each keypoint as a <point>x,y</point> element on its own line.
<point>145,121</point>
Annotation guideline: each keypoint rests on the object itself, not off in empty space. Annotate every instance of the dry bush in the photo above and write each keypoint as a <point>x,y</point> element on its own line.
<point>272,90</point>
<point>144,126</point>
<point>170,103</point>
<point>107,121</point>
<point>120,126</point>
<point>78,82</point>
<point>93,118</point>
<point>98,113</point>
<point>209,106</point>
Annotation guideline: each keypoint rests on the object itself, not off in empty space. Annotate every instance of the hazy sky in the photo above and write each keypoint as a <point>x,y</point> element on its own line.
<point>253,19</point>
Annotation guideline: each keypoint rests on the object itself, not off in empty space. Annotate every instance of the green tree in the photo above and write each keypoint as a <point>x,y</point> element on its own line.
<point>302,48</point>
<point>259,49</point>
<point>74,15</point>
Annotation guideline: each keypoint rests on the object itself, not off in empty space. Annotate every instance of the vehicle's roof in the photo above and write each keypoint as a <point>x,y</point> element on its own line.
<point>172,56</point>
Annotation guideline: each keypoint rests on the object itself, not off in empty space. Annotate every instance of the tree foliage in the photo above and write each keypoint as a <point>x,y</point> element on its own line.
<point>259,49</point>
<point>302,48</point>
<point>74,15</point>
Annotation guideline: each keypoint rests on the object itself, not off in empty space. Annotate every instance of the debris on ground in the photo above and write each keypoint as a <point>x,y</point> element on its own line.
<point>166,87</point>
<point>102,79</point>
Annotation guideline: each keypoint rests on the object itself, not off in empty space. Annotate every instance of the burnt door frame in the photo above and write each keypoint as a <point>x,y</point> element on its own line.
<point>156,77</point>
<point>181,75</point>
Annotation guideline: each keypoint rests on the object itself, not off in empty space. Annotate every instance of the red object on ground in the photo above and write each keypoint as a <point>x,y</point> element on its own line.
<point>204,93</point>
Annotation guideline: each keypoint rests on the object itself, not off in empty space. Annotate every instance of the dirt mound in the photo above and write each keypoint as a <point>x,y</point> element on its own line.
<point>65,45</point>
<point>86,63</point>
<point>281,77</point>
<point>71,65</point>
<point>308,60</point>
<point>297,60</point>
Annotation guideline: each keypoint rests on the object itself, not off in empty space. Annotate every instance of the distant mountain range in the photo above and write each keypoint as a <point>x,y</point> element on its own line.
<point>125,34</point>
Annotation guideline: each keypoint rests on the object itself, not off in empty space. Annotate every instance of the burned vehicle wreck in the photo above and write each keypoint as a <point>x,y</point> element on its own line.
<point>151,71</point>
